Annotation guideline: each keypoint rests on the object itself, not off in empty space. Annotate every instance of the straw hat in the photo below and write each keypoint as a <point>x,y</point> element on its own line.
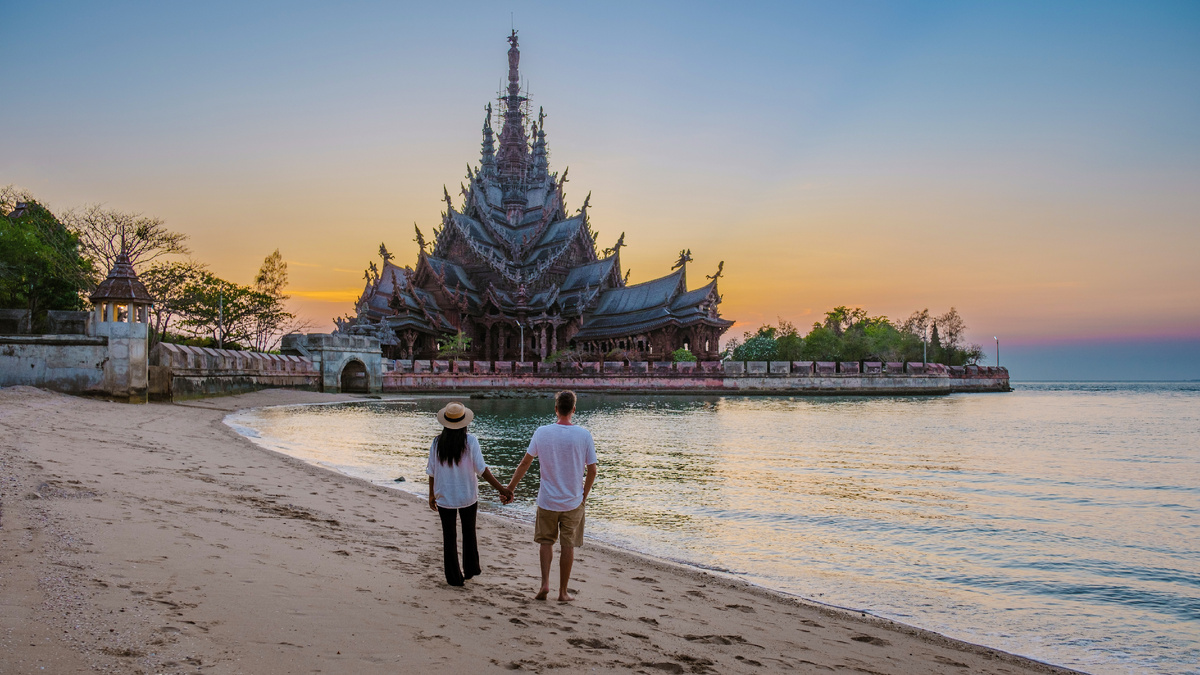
<point>455,415</point>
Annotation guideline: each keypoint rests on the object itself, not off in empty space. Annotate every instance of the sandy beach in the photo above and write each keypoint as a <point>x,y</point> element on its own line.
<point>152,538</point>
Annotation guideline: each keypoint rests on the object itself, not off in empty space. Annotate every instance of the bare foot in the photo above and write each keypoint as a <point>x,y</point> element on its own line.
<point>542,594</point>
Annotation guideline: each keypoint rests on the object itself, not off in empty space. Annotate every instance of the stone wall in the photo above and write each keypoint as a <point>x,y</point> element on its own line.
<point>85,356</point>
<point>756,377</point>
<point>72,364</point>
<point>180,372</point>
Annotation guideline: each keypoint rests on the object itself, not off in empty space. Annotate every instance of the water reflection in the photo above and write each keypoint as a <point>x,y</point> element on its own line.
<point>1058,521</point>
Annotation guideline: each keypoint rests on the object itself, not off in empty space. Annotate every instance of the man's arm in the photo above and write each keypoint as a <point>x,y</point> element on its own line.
<point>526,462</point>
<point>592,470</point>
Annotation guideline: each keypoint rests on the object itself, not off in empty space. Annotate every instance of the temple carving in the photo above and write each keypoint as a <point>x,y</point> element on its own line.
<point>517,272</point>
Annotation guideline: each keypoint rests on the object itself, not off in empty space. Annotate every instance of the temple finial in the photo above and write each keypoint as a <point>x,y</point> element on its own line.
<point>487,165</point>
<point>719,272</point>
<point>420,238</point>
<point>540,169</point>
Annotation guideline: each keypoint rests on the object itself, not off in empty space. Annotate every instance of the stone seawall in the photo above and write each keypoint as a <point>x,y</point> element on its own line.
<point>180,372</point>
<point>72,364</point>
<point>753,377</point>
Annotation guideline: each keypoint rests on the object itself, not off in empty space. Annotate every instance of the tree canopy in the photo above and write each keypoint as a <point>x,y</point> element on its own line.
<point>41,267</point>
<point>852,334</point>
<point>103,232</point>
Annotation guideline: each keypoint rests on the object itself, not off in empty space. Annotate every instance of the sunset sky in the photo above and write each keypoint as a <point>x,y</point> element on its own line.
<point>1036,165</point>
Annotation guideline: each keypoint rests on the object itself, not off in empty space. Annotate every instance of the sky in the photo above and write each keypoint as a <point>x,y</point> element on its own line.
<point>1034,165</point>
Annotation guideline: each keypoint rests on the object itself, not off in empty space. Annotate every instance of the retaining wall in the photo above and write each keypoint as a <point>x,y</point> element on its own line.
<point>751,377</point>
<point>72,364</point>
<point>180,372</point>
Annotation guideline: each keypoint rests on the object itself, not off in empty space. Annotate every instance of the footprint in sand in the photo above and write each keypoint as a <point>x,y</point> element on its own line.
<point>589,643</point>
<point>665,666</point>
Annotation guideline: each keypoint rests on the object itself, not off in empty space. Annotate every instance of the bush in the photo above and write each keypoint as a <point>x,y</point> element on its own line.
<point>682,354</point>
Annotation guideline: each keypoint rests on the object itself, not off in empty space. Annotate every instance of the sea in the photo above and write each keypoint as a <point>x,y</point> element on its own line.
<point>1060,521</point>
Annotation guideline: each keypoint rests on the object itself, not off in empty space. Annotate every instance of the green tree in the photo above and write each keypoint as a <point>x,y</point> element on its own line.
<point>227,312</point>
<point>758,346</point>
<point>455,347</point>
<point>789,346</point>
<point>273,320</point>
<point>821,344</point>
<point>177,288</point>
<point>41,268</point>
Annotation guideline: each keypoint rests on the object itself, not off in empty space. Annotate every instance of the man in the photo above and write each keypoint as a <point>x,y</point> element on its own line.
<point>568,463</point>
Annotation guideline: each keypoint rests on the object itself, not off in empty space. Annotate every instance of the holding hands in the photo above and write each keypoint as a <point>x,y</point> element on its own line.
<point>506,494</point>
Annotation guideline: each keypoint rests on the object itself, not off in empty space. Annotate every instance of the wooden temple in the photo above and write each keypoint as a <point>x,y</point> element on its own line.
<point>519,274</point>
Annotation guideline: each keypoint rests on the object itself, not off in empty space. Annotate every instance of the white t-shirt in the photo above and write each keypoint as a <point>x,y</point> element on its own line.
<point>456,486</point>
<point>564,451</point>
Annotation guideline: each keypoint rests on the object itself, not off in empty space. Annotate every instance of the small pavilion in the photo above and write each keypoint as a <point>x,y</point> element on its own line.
<point>122,297</point>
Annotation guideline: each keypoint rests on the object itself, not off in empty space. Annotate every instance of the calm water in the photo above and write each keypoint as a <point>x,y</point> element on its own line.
<point>1060,521</point>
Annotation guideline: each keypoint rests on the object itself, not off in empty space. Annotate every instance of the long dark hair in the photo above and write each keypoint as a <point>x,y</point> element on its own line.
<point>451,444</point>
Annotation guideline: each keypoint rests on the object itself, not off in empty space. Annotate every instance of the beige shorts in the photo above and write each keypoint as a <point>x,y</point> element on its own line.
<point>564,526</point>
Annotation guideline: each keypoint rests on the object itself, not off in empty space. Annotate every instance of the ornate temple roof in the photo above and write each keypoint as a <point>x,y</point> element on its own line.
<point>652,304</point>
<point>510,248</point>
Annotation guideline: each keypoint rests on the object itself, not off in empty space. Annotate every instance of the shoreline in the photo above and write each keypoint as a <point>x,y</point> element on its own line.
<point>274,545</point>
<point>522,525</point>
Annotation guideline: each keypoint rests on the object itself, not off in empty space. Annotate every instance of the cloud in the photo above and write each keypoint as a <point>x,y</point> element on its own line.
<point>344,295</point>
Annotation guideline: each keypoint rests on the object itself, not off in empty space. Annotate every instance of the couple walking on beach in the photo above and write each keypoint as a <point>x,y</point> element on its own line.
<point>567,455</point>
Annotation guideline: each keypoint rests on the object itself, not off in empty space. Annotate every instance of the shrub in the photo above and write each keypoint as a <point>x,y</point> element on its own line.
<point>682,354</point>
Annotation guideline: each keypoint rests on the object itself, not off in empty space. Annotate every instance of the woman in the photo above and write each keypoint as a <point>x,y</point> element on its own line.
<point>455,463</point>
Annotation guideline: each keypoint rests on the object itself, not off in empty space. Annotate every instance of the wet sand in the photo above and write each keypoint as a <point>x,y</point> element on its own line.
<point>152,538</point>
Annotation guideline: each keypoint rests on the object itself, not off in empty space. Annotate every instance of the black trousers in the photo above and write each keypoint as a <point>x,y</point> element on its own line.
<point>470,561</point>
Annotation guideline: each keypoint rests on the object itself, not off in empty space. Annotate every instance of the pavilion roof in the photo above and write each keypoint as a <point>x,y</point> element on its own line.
<point>121,284</point>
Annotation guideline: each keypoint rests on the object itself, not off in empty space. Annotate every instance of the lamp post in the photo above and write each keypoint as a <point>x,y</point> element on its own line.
<point>221,321</point>
<point>997,350</point>
<point>522,327</point>
<point>924,346</point>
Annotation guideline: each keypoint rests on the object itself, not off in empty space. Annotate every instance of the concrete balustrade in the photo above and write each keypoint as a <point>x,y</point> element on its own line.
<point>180,372</point>
<point>801,377</point>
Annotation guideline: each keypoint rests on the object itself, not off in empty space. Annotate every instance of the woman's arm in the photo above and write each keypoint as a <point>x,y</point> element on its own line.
<point>505,493</point>
<point>432,499</point>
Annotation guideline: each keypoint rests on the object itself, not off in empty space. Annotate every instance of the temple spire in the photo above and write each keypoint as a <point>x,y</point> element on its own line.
<point>513,156</point>
<point>487,164</point>
<point>541,164</point>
